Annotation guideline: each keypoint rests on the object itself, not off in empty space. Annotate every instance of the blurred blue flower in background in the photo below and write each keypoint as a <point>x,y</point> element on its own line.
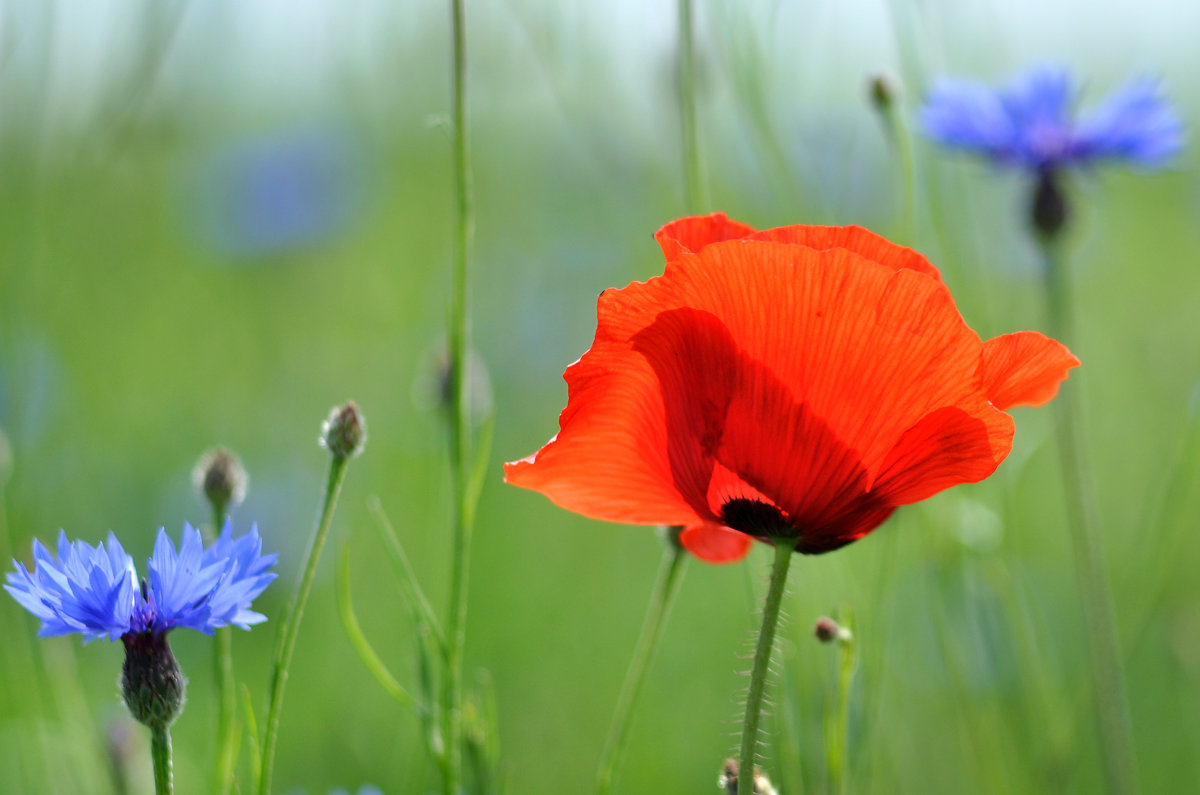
<point>94,590</point>
<point>268,195</point>
<point>1031,123</point>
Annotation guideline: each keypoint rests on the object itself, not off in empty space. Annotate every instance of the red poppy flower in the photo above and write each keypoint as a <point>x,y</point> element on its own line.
<point>804,380</point>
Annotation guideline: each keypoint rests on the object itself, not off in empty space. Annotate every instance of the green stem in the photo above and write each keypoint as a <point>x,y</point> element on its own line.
<point>226,698</point>
<point>693,181</point>
<point>839,739</point>
<point>291,626</point>
<point>160,751</point>
<point>669,577</point>
<point>762,660</point>
<point>460,423</point>
<point>904,147</point>
<point>1083,519</point>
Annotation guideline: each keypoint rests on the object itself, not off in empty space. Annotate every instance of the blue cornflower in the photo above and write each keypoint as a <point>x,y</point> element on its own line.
<point>95,591</point>
<point>1031,123</point>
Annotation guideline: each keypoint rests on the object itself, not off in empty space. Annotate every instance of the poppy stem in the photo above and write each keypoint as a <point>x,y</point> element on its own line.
<point>1083,519</point>
<point>670,575</point>
<point>460,423</point>
<point>291,624</point>
<point>784,547</point>
<point>693,181</point>
<point>160,752</point>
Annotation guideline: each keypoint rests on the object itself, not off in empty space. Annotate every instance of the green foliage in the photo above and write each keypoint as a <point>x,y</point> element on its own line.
<point>129,344</point>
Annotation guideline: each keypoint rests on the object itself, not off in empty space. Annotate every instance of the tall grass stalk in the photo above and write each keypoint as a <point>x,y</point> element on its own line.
<point>695,195</point>
<point>460,421</point>
<point>1083,519</point>
<point>670,575</point>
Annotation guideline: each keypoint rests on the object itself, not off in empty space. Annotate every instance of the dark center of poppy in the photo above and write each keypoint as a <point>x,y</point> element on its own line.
<point>756,518</point>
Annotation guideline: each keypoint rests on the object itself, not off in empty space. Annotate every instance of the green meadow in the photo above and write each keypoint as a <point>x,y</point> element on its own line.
<point>220,219</point>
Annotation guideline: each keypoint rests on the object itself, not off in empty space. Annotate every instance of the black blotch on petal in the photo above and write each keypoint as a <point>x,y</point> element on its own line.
<point>756,518</point>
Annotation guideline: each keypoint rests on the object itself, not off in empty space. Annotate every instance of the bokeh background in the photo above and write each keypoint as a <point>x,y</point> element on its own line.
<point>220,218</point>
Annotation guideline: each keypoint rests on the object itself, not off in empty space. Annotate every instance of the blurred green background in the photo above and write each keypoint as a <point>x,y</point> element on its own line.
<point>218,219</point>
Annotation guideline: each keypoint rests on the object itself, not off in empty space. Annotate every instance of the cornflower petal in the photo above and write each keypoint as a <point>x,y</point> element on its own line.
<point>1031,122</point>
<point>85,589</point>
<point>1134,124</point>
<point>94,590</point>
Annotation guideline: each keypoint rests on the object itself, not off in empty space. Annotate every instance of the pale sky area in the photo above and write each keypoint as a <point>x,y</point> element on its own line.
<point>274,54</point>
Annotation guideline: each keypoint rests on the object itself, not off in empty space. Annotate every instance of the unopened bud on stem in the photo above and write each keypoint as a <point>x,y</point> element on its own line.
<point>221,478</point>
<point>345,432</point>
<point>882,87</point>
<point>827,630</point>
<point>728,780</point>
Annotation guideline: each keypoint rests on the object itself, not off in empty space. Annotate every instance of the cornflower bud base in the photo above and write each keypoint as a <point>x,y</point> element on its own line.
<point>151,681</point>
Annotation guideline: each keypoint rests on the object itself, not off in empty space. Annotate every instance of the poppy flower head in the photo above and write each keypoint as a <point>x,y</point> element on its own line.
<point>799,381</point>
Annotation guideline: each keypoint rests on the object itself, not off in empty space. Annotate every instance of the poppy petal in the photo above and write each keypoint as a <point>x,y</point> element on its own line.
<point>867,349</point>
<point>862,242</point>
<point>802,377</point>
<point>947,447</point>
<point>689,235</point>
<point>1024,369</point>
<point>608,460</point>
<point>714,543</point>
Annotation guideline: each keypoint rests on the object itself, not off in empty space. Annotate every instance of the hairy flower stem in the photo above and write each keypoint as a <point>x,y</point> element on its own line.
<point>160,752</point>
<point>1108,676</point>
<point>693,181</point>
<point>460,421</point>
<point>669,577</point>
<point>291,625</point>
<point>226,697</point>
<point>784,548</point>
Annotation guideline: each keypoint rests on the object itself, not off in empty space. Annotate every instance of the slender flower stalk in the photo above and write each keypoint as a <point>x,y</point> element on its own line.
<point>220,477</point>
<point>1031,125</point>
<point>784,547</point>
<point>674,555</point>
<point>670,575</point>
<point>1083,520</point>
<point>344,434</point>
<point>838,720</point>
<point>226,706</point>
<point>460,423</point>
<point>693,180</point>
<point>160,752</point>
<point>884,97</point>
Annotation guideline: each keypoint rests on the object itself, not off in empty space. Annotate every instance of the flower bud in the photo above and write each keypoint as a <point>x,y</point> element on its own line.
<point>433,388</point>
<point>221,478</point>
<point>345,432</point>
<point>151,682</point>
<point>827,630</point>
<point>883,91</point>
<point>728,780</point>
<point>6,459</point>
